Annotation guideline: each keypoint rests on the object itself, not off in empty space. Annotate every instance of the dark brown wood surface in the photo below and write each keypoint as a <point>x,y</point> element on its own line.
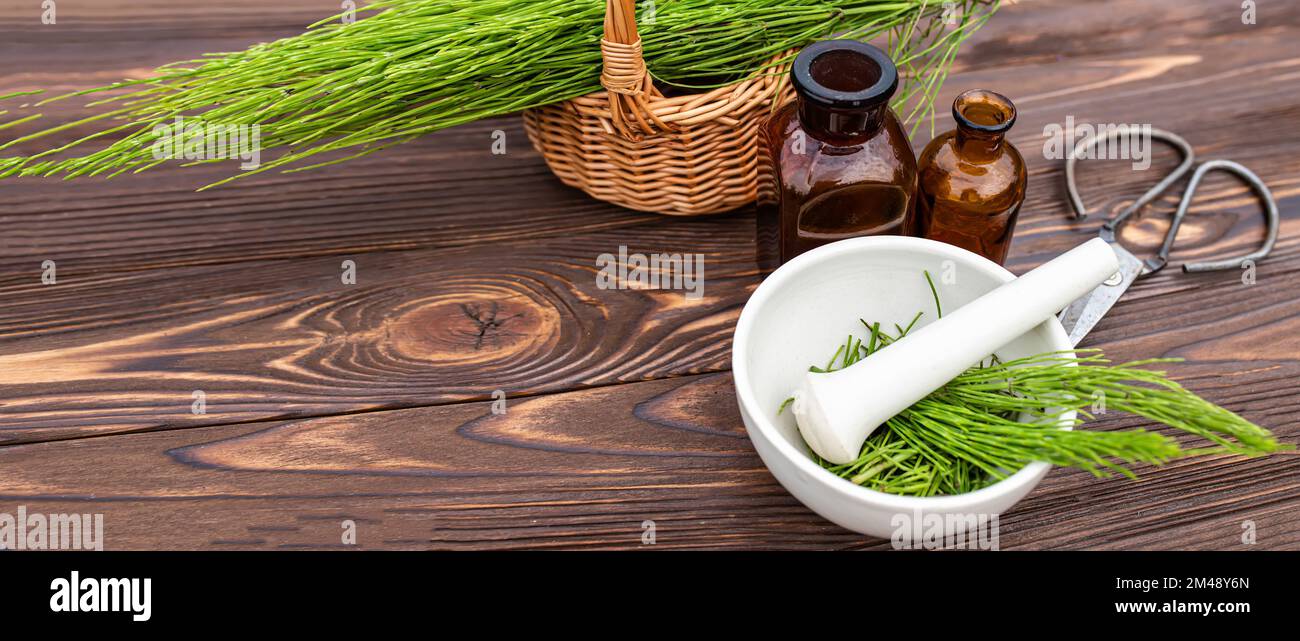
<point>476,273</point>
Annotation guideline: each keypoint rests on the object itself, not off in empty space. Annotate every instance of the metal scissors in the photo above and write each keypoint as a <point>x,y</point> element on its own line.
<point>1083,314</point>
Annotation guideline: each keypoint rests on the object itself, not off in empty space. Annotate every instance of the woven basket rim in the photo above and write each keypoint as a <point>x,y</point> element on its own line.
<point>683,155</point>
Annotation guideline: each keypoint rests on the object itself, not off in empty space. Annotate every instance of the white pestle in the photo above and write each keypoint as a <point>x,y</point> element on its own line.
<point>837,411</point>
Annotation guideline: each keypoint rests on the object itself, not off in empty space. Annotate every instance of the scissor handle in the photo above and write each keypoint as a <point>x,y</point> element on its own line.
<point>1072,189</point>
<point>1260,189</point>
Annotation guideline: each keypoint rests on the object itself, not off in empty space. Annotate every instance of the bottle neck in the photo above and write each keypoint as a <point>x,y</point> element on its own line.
<point>841,127</point>
<point>978,145</point>
<point>983,119</point>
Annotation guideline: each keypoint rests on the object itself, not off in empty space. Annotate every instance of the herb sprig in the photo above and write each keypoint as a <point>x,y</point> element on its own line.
<point>995,418</point>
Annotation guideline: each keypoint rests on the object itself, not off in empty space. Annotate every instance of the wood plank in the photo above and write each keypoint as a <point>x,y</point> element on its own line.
<point>586,469</point>
<point>278,339</point>
<point>446,190</point>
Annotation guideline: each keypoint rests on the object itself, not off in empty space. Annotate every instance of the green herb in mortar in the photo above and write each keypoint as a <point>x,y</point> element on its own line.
<point>972,432</point>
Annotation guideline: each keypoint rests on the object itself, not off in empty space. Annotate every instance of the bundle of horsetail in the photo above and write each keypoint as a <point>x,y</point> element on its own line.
<point>997,417</point>
<point>409,67</point>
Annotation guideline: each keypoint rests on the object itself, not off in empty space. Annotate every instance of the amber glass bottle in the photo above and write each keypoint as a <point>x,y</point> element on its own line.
<point>835,163</point>
<point>973,179</point>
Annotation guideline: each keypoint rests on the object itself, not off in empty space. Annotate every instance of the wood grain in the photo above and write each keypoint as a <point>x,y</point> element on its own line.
<point>279,339</point>
<point>476,273</point>
<point>584,469</point>
<point>289,338</point>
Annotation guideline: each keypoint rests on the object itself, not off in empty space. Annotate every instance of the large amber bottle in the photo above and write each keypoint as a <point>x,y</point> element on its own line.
<point>836,162</point>
<point>973,179</point>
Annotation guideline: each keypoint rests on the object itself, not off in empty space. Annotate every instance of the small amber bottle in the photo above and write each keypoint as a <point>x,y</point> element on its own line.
<point>972,180</point>
<point>835,163</point>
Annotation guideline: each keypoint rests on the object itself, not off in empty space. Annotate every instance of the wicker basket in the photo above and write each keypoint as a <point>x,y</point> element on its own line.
<point>631,146</point>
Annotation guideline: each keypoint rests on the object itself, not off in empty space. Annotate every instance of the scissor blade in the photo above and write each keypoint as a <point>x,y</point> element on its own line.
<point>1084,314</point>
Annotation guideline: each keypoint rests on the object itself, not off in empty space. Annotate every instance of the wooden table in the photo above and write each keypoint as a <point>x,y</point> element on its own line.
<point>371,402</point>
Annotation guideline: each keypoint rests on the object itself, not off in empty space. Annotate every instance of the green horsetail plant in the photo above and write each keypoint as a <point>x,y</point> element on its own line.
<point>997,417</point>
<point>411,67</point>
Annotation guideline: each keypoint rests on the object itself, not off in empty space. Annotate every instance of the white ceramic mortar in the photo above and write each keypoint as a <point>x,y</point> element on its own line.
<point>801,312</point>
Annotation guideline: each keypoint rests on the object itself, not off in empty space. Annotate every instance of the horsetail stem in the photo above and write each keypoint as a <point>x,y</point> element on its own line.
<point>411,67</point>
<point>995,418</point>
